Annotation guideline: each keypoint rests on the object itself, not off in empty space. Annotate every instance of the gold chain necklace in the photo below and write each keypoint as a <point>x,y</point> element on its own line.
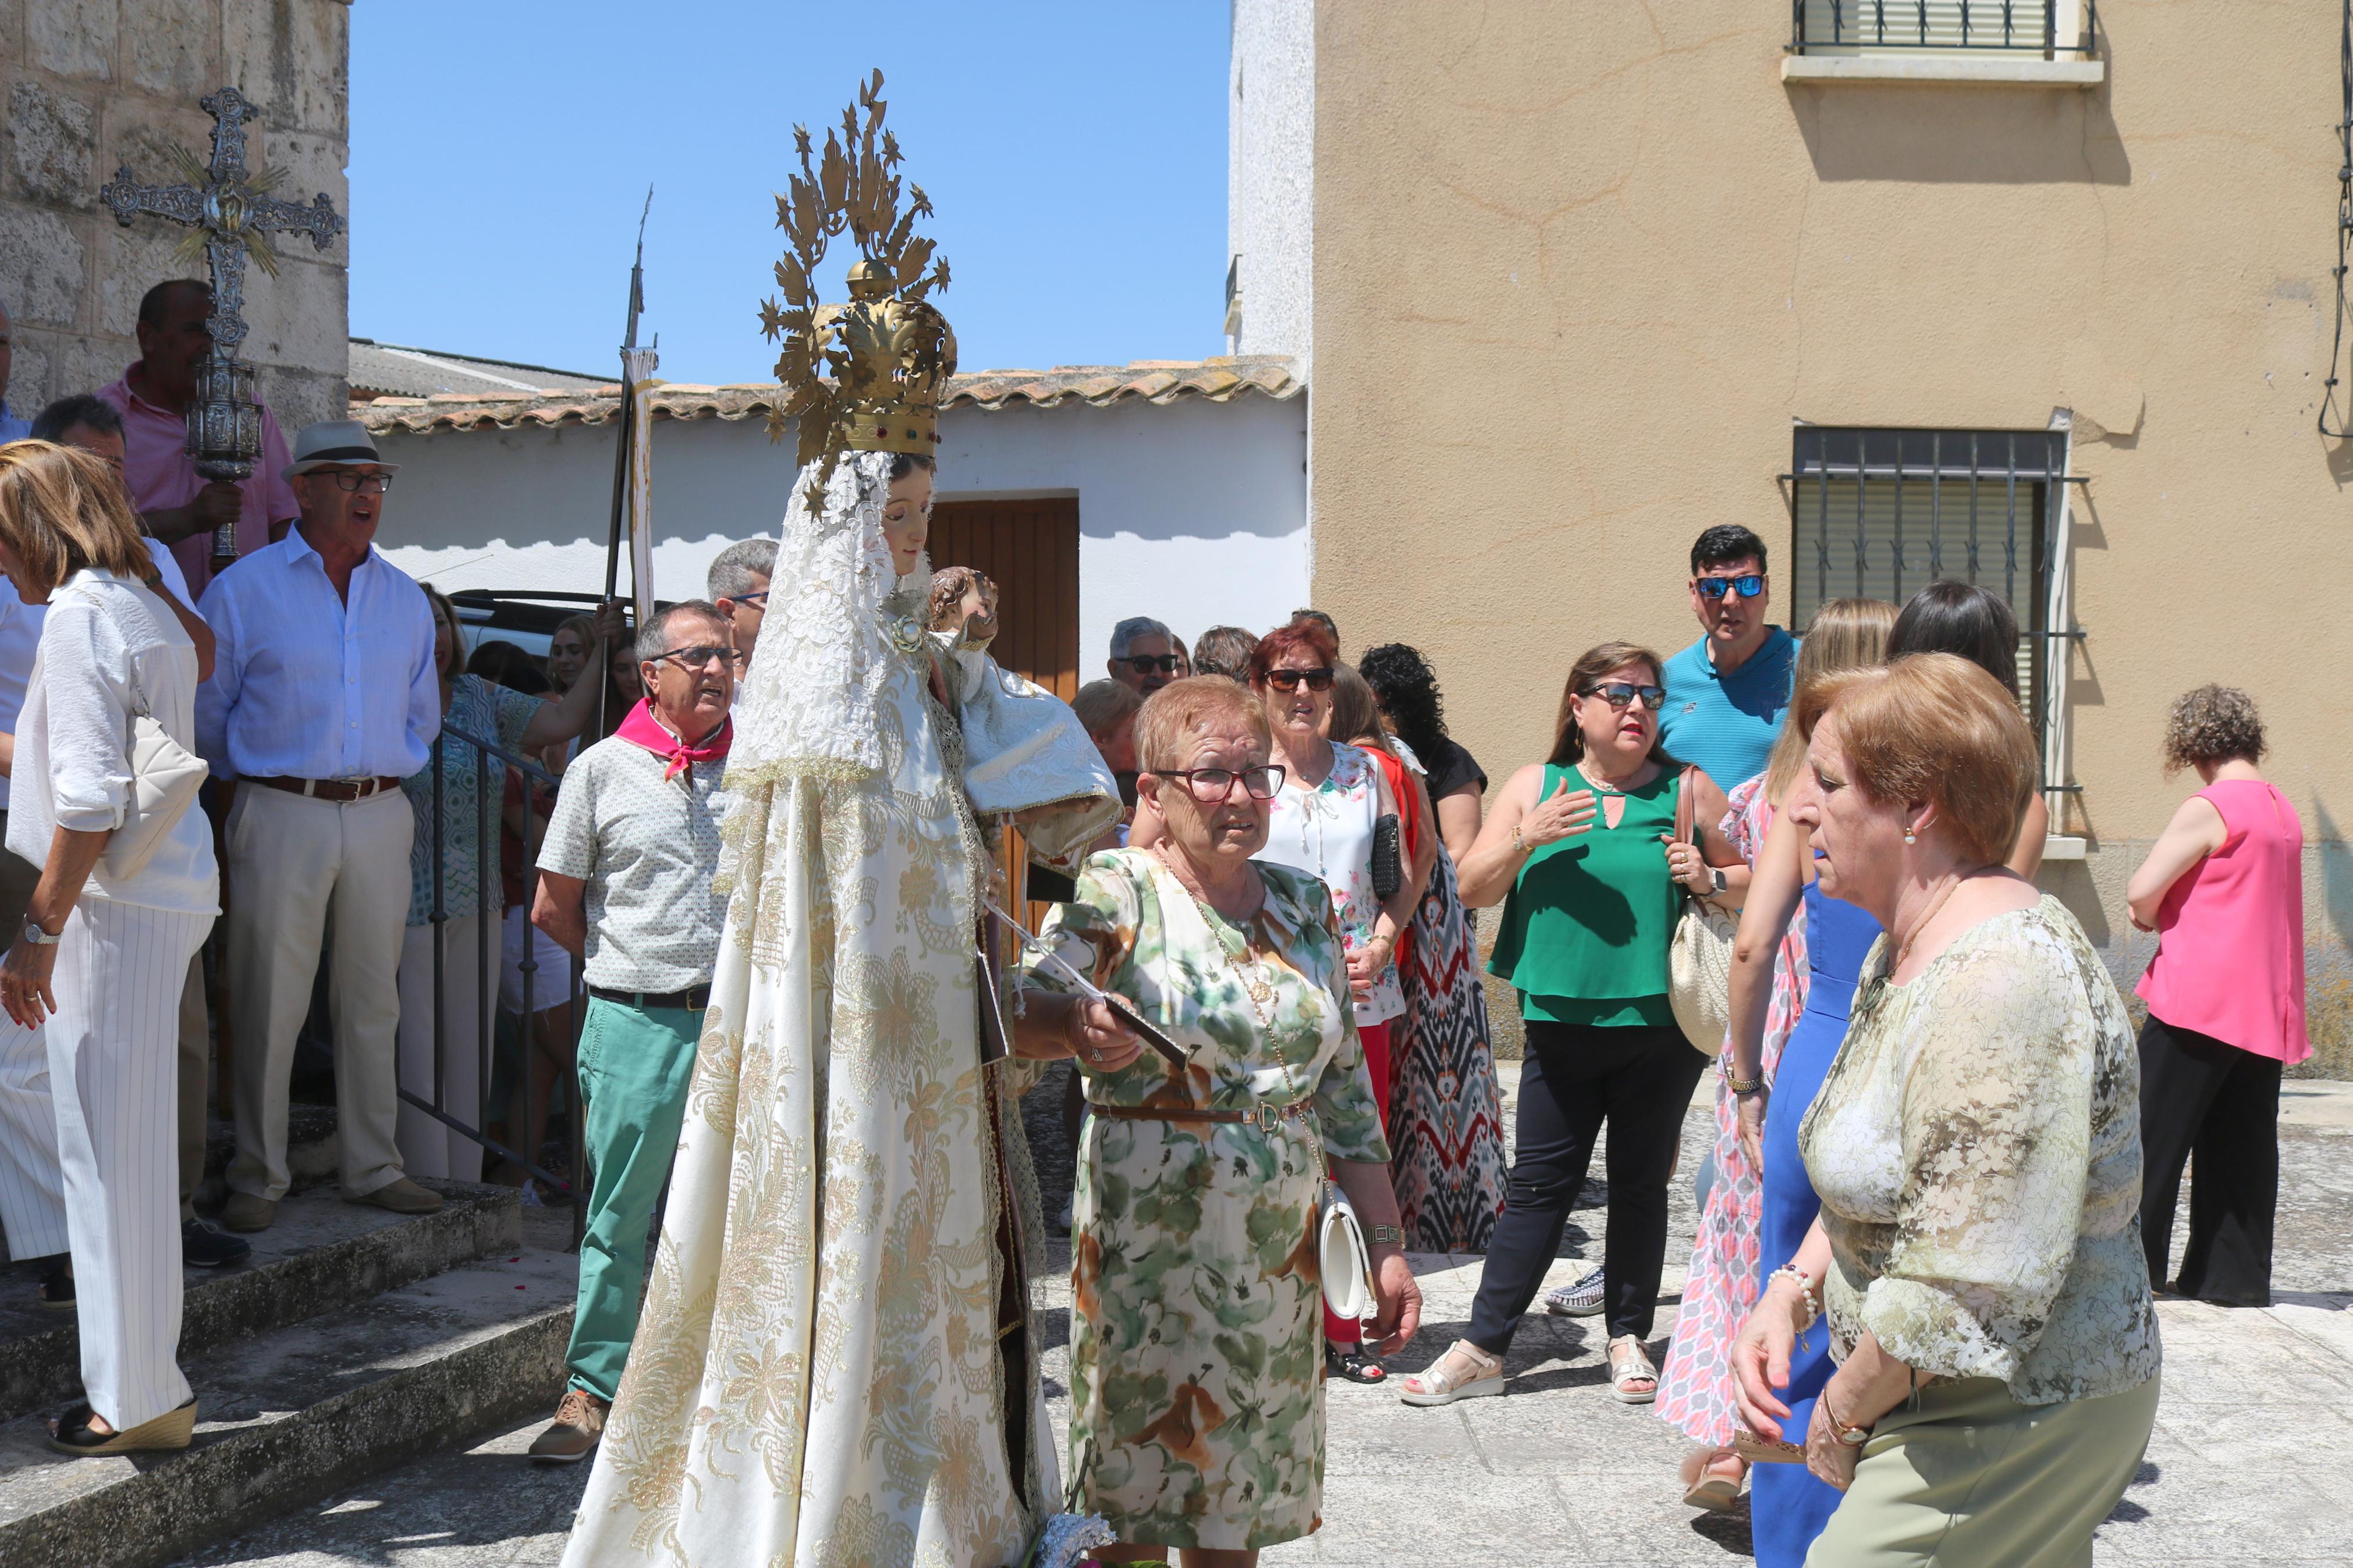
<point>1249,969</point>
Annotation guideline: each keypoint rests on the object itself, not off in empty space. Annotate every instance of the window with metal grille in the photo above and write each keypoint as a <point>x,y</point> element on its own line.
<point>1880,513</point>
<point>2044,28</point>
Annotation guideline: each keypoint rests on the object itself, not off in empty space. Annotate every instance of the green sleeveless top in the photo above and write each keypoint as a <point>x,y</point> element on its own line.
<point>1587,926</point>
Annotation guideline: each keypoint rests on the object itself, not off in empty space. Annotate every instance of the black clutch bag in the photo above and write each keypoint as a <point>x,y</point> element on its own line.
<point>1388,865</point>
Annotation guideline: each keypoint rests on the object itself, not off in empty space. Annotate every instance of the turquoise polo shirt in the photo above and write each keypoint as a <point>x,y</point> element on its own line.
<point>1725,723</point>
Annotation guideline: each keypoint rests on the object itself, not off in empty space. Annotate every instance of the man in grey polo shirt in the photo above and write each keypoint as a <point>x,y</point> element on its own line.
<point>625,883</point>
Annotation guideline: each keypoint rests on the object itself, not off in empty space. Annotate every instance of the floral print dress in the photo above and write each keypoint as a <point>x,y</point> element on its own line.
<point>1196,1404</point>
<point>1696,1383</point>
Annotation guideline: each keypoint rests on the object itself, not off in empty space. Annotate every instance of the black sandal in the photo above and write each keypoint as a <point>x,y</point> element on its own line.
<point>1352,1363</point>
<point>172,1430</point>
<point>56,1291</point>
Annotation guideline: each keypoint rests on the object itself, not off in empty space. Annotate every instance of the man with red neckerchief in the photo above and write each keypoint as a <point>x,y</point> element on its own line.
<point>625,883</point>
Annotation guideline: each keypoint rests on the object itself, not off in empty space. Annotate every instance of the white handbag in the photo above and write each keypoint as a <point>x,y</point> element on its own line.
<point>1699,963</point>
<point>164,779</point>
<point>1343,1263</point>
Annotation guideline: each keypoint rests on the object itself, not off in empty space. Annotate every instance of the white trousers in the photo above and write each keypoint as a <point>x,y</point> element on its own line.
<point>32,1187</point>
<point>428,1146</point>
<point>114,1045</point>
<point>295,863</point>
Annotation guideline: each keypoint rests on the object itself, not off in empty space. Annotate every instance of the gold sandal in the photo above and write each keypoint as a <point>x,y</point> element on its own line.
<point>1706,1486</point>
<point>1434,1385</point>
<point>1630,1369</point>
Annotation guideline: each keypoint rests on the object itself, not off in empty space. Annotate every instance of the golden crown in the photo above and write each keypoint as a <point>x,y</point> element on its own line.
<point>889,350</point>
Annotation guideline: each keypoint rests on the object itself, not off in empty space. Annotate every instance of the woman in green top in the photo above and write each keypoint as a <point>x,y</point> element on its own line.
<point>1582,849</point>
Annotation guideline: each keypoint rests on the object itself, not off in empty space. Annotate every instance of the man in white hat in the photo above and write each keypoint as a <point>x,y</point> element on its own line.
<point>323,696</point>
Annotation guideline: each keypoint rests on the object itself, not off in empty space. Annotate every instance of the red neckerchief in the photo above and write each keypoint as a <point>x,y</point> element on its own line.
<point>642,728</point>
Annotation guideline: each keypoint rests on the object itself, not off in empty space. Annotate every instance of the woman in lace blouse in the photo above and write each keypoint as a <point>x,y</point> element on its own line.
<point>1976,1147</point>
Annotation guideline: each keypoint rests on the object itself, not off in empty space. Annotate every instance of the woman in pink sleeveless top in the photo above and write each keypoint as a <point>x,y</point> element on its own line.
<point>2223,890</point>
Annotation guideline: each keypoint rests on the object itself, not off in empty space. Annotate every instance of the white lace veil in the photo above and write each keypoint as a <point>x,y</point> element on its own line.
<point>809,703</point>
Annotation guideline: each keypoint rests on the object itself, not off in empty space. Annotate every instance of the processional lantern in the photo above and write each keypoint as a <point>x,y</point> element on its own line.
<point>230,215</point>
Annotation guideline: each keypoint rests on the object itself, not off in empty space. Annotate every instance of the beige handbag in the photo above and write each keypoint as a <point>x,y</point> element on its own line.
<point>1699,965</point>
<point>164,779</point>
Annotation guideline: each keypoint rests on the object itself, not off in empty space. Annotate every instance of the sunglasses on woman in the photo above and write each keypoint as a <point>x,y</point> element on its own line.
<point>1716,587</point>
<point>1618,693</point>
<point>1288,679</point>
<point>1214,787</point>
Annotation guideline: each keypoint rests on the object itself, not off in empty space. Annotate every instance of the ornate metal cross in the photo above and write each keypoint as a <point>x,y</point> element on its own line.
<point>231,215</point>
<point>231,210</point>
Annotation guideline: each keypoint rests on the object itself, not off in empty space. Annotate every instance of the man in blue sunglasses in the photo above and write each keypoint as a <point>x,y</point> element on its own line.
<point>1726,692</point>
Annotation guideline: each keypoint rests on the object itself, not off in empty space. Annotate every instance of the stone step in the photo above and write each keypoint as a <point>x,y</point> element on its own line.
<point>312,1151</point>
<point>289,1416</point>
<point>321,1255</point>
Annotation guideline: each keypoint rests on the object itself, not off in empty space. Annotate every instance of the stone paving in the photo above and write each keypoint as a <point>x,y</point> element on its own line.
<point>2251,1462</point>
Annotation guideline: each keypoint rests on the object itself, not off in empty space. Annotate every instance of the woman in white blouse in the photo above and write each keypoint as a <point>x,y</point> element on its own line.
<point>1977,1149</point>
<point>103,957</point>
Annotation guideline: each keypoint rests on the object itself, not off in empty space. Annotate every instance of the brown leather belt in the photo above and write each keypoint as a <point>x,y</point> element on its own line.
<point>340,791</point>
<point>1265,1116</point>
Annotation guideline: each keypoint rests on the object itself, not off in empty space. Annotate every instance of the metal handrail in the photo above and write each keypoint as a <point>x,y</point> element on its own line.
<point>2011,25</point>
<point>491,760</point>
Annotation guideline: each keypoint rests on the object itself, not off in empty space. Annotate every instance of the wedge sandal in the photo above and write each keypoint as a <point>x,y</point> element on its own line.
<point>1442,1383</point>
<point>1629,1365</point>
<point>172,1430</point>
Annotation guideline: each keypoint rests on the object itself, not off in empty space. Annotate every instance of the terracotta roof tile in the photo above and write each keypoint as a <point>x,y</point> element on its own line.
<point>1217,380</point>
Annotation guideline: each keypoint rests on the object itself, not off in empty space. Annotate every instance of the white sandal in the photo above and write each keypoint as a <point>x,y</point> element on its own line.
<point>1633,1368</point>
<point>1437,1385</point>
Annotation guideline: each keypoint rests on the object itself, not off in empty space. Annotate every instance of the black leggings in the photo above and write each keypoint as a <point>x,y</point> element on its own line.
<point>2217,1103</point>
<point>1639,1080</point>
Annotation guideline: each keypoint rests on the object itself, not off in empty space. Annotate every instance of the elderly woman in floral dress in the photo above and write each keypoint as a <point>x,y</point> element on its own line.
<point>1196,1408</point>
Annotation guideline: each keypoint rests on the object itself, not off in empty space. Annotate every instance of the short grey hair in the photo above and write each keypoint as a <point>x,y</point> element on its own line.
<point>1124,636</point>
<point>733,568</point>
<point>653,637</point>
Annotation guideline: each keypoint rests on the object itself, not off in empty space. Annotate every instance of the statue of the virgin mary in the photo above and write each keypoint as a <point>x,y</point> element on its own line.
<point>835,1365</point>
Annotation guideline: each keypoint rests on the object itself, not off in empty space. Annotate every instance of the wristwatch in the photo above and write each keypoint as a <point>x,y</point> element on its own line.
<point>39,938</point>
<point>1715,874</point>
<point>1383,1236</point>
<point>1743,1087</point>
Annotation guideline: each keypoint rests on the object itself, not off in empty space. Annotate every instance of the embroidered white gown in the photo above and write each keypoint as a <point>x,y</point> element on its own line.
<point>834,1366</point>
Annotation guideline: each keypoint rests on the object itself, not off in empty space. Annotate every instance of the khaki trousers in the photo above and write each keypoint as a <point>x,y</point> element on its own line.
<point>32,1184</point>
<point>196,1081</point>
<point>295,864</point>
<point>1965,1476</point>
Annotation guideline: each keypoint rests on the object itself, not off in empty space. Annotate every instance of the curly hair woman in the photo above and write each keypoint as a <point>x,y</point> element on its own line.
<point>2223,889</point>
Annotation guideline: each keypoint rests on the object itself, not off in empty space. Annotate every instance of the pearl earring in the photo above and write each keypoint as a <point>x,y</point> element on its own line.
<point>1908,839</point>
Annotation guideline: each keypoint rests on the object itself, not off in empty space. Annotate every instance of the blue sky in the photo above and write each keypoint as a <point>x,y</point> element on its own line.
<point>500,150</point>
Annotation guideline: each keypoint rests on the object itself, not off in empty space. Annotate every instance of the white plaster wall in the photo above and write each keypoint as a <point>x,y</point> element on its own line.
<point>1270,175</point>
<point>1194,513</point>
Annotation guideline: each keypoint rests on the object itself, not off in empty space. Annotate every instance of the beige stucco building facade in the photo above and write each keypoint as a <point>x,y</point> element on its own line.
<point>1582,281</point>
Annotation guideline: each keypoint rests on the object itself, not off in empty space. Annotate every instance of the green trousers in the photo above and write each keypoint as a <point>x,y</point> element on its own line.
<point>636,1065</point>
<point>1967,1476</point>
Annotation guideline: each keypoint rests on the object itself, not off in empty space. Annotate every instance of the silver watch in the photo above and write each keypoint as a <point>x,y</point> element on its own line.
<point>1716,873</point>
<point>39,938</point>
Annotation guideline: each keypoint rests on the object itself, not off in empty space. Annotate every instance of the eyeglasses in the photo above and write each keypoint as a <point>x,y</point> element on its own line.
<point>760,598</point>
<point>1747,587</point>
<point>1213,787</point>
<point>1150,663</point>
<point>353,484</point>
<point>1318,680</point>
<point>1619,693</point>
<point>695,658</point>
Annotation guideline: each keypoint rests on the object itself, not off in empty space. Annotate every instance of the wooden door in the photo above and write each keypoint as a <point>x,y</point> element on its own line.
<point>1029,549</point>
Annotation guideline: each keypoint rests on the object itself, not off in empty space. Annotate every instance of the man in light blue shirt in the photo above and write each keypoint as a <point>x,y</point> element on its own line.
<point>1726,692</point>
<point>323,696</point>
<point>11,429</point>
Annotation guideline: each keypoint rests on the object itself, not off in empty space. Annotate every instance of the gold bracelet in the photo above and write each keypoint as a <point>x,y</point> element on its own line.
<point>1847,1436</point>
<point>1518,843</point>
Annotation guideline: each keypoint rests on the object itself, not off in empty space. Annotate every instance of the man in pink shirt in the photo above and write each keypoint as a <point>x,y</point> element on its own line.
<point>178,505</point>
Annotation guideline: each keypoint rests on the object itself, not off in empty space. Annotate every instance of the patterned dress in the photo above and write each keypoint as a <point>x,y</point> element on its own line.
<point>1446,1114</point>
<point>1695,1384</point>
<point>1327,832</point>
<point>1197,1402</point>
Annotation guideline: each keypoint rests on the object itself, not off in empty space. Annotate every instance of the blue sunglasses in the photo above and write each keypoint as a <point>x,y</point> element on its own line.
<point>1716,587</point>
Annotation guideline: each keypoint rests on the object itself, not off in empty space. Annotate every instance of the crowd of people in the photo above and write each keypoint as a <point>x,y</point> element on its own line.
<point>1938,1196</point>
